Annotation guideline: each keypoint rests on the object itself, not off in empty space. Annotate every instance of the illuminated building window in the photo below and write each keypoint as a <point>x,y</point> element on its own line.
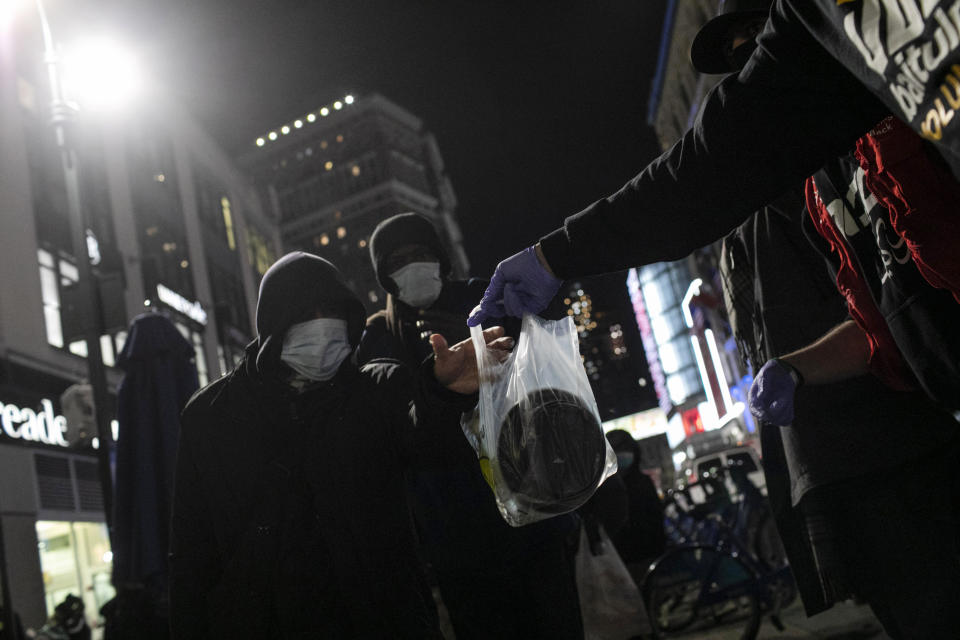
<point>328,165</point>
<point>50,293</point>
<point>355,170</point>
<point>258,252</point>
<point>324,240</point>
<point>228,222</point>
<point>323,144</point>
<point>184,264</point>
<point>580,307</point>
<point>56,275</point>
<point>340,138</point>
<point>341,232</point>
<point>362,243</point>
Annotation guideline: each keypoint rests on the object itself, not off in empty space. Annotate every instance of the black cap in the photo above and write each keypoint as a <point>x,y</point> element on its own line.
<point>706,52</point>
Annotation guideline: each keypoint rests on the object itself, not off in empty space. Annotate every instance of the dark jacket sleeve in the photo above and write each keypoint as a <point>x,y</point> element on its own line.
<point>423,415</point>
<point>194,566</point>
<point>757,134</point>
<point>376,341</point>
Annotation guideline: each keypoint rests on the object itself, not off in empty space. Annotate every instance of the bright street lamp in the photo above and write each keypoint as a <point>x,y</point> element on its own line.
<point>100,74</point>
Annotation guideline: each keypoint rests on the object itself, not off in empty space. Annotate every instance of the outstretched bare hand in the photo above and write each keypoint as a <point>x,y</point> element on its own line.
<point>456,367</point>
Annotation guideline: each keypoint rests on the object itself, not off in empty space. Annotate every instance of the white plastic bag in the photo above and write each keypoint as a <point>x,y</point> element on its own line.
<point>610,602</point>
<point>537,429</point>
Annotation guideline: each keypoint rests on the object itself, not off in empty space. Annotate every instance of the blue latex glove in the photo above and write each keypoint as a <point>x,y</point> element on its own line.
<point>520,284</point>
<point>772,391</point>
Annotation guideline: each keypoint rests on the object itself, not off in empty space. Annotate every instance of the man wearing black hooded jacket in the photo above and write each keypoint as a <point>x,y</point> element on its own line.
<point>290,519</point>
<point>495,580</point>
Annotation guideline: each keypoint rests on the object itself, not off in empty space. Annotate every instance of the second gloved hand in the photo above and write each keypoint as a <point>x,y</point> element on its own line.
<point>771,395</point>
<point>520,284</point>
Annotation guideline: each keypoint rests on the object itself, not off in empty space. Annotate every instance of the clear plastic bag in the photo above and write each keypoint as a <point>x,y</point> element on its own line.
<point>536,428</point>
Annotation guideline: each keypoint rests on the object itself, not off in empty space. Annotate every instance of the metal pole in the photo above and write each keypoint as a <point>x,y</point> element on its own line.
<point>63,118</point>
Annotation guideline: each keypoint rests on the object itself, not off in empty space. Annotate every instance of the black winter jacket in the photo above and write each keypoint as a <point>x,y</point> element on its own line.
<point>460,525</point>
<point>291,518</point>
<point>823,74</point>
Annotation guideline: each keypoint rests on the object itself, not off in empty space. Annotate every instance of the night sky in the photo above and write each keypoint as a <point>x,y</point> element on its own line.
<point>539,107</point>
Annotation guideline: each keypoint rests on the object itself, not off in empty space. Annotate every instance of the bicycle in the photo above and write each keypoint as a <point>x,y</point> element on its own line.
<point>715,574</point>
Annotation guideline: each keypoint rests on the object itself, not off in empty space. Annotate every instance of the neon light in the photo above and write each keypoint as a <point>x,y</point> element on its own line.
<point>702,368</point>
<point>737,411</point>
<point>718,367</point>
<point>715,417</point>
<point>692,290</point>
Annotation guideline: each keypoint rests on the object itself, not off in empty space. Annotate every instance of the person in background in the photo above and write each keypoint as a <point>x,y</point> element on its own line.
<point>885,218</point>
<point>642,538</point>
<point>290,518</point>
<point>496,581</point>
<point>842,471</point>
<point>68,622</point>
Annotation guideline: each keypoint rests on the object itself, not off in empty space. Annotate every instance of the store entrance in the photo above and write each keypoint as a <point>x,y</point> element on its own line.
<point>76,559</point>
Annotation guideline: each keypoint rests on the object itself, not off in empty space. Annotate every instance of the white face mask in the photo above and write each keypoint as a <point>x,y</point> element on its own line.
<point>316,348</point>
<point>418,283</point>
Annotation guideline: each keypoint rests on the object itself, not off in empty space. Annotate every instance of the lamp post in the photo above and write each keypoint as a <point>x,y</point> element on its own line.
<point>63,119</point>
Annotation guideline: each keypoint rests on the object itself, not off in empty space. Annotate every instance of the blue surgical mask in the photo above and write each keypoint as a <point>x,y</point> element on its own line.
<point>418,283</point>
<point>624,459</point>
<point>316,348</point>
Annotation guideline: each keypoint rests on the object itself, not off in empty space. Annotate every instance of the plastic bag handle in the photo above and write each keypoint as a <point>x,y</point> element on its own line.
<point>479,345</point>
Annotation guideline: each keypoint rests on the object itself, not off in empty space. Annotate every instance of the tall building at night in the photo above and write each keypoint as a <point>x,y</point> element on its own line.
<point>174,227</point>
<point>612,357</point>
<point>677,303</point>
<point>678,88</point>
<point>330,175</point>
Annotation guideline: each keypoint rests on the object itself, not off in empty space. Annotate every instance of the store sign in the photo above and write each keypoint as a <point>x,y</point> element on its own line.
<point>649,341</point>
<point>192,310</point>
<point>24,423</point>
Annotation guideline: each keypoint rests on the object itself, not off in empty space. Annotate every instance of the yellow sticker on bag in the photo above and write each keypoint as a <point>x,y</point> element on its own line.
<point>487,472</point>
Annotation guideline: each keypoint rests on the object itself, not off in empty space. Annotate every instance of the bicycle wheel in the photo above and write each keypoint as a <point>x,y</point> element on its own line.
<point>700,586</point>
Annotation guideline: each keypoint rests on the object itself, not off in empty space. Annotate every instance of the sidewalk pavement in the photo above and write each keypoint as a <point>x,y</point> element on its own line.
<point>845,621</point>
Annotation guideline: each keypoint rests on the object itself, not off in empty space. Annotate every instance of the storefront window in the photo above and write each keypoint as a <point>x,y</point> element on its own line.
<point>76,559</point>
